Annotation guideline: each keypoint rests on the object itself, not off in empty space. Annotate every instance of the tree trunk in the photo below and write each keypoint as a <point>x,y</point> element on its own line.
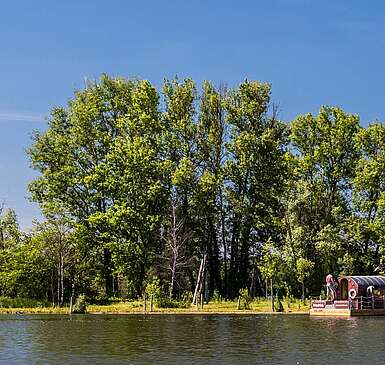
<point>225,292</point>
<point>62,279</point>
<point>232,279</point>
<point>72,295</point>
<point>107,272</point>
<point>58,282</point>
<point>173,270</point>
<point>199,279</point>
<point>53,287</point>
<point>303,292</point>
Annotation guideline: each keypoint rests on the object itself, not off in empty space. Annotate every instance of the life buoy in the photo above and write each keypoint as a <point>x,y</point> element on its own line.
<point>352,293</point>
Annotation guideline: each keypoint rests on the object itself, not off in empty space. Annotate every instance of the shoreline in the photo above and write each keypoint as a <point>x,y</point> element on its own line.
<point>65,311</point>
<point>199,313</point>
<point>233,308</point>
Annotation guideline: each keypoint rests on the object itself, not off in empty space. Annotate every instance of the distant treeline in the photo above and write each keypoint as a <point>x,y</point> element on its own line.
<point>195,190</point>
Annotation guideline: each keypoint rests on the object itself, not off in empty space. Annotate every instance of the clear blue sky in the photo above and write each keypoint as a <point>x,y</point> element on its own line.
<point>313,52</point>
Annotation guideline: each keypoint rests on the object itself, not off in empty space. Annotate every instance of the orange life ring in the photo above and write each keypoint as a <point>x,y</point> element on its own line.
<point>352,293</point>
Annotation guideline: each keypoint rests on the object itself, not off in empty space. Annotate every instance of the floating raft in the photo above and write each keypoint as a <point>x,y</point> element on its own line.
<point>355,296</point>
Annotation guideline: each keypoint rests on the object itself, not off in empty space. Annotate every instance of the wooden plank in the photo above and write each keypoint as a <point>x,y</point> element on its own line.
<point>329,312</point>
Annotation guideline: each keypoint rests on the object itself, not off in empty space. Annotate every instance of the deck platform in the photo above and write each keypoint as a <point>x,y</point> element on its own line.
<point>344,308</point>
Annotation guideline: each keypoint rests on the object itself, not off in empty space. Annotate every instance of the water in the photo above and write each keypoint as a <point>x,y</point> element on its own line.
<point>181,339</point>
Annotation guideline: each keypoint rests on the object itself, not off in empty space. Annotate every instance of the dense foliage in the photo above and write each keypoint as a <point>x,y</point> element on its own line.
<point>190,190</point>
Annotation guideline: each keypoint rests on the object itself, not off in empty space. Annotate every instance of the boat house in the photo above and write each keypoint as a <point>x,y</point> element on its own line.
<point>354,295</point>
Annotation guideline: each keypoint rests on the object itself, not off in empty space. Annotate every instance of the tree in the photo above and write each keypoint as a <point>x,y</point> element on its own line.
<point>98,161</point>
<point>368,197</point>
<point>57,243</point>
<point>174,257</point>
<point>255,174</point>
<point>326,155</point>
<point>208,201</point>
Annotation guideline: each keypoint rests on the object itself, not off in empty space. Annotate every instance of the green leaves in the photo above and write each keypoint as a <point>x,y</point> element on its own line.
<point>254,195</point>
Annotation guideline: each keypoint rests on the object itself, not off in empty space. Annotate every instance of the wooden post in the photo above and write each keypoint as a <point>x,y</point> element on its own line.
<point>372,301</point>
<point>152,303</point>
<point>201,300</point>
<point>239,303</point>
<point>272,295</point>
<point>144,303</point>
<point>361,301</point>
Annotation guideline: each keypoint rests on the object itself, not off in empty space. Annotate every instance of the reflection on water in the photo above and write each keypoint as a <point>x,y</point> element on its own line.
<point>138,339</point>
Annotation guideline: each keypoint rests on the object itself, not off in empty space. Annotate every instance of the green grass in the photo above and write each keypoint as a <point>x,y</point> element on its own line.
<point>260,305</point>
<point>6,302</point>
<point>35,310</point>
<point>27,305</point>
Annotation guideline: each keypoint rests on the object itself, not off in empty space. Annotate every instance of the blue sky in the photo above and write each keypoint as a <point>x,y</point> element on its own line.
<point>313,53</point>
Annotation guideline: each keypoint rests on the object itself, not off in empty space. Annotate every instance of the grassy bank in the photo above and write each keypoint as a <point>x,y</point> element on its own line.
<point>256,306</point>
<point>35,310</point>
<point>26,306</point>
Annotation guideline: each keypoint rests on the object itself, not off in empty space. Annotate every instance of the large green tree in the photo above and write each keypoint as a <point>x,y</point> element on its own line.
<point>255,175</point>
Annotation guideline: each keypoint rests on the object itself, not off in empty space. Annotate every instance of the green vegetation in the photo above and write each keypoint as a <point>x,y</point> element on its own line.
<point>187,193</point>
<point>258,305</point>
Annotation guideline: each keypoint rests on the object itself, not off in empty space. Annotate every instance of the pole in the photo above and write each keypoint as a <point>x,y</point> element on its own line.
<point>272,295</point>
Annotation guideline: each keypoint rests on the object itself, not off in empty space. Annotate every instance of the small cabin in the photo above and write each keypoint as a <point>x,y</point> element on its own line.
<point>353,287</point>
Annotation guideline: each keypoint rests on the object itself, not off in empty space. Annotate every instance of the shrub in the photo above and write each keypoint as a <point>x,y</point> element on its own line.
<point>153,288</point>
<point>244,298</point>
<point>217,297</point>
<point>80,306</point>
<point>186,299</point>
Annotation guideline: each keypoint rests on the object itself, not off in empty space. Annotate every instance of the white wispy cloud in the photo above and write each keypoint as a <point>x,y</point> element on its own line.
<point>21,117</point>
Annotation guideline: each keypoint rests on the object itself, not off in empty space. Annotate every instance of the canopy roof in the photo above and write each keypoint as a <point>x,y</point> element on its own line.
<point>365,281</point>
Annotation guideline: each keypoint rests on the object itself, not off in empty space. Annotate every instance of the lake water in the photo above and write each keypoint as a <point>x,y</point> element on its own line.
<point>181,339</point>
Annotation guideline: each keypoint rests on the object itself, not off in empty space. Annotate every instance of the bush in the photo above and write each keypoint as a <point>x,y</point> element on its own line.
<point>186,299</point>
<point>153,288</point>
<point>217,297</point>
<point>244,298</point>
<point>80,306</point>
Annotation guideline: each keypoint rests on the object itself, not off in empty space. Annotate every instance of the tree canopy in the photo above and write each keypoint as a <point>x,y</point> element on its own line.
<point>195,186</point>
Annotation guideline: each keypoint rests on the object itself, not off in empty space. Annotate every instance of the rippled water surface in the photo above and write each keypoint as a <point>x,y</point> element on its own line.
<point>180,339</point>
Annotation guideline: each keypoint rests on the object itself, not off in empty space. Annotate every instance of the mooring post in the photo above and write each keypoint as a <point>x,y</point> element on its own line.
<point>372,301</point>
<point>239,303</point>
<point>201,300</point>
<point>144,303</point>
<point>272,295</point>
<point>361,301</point>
